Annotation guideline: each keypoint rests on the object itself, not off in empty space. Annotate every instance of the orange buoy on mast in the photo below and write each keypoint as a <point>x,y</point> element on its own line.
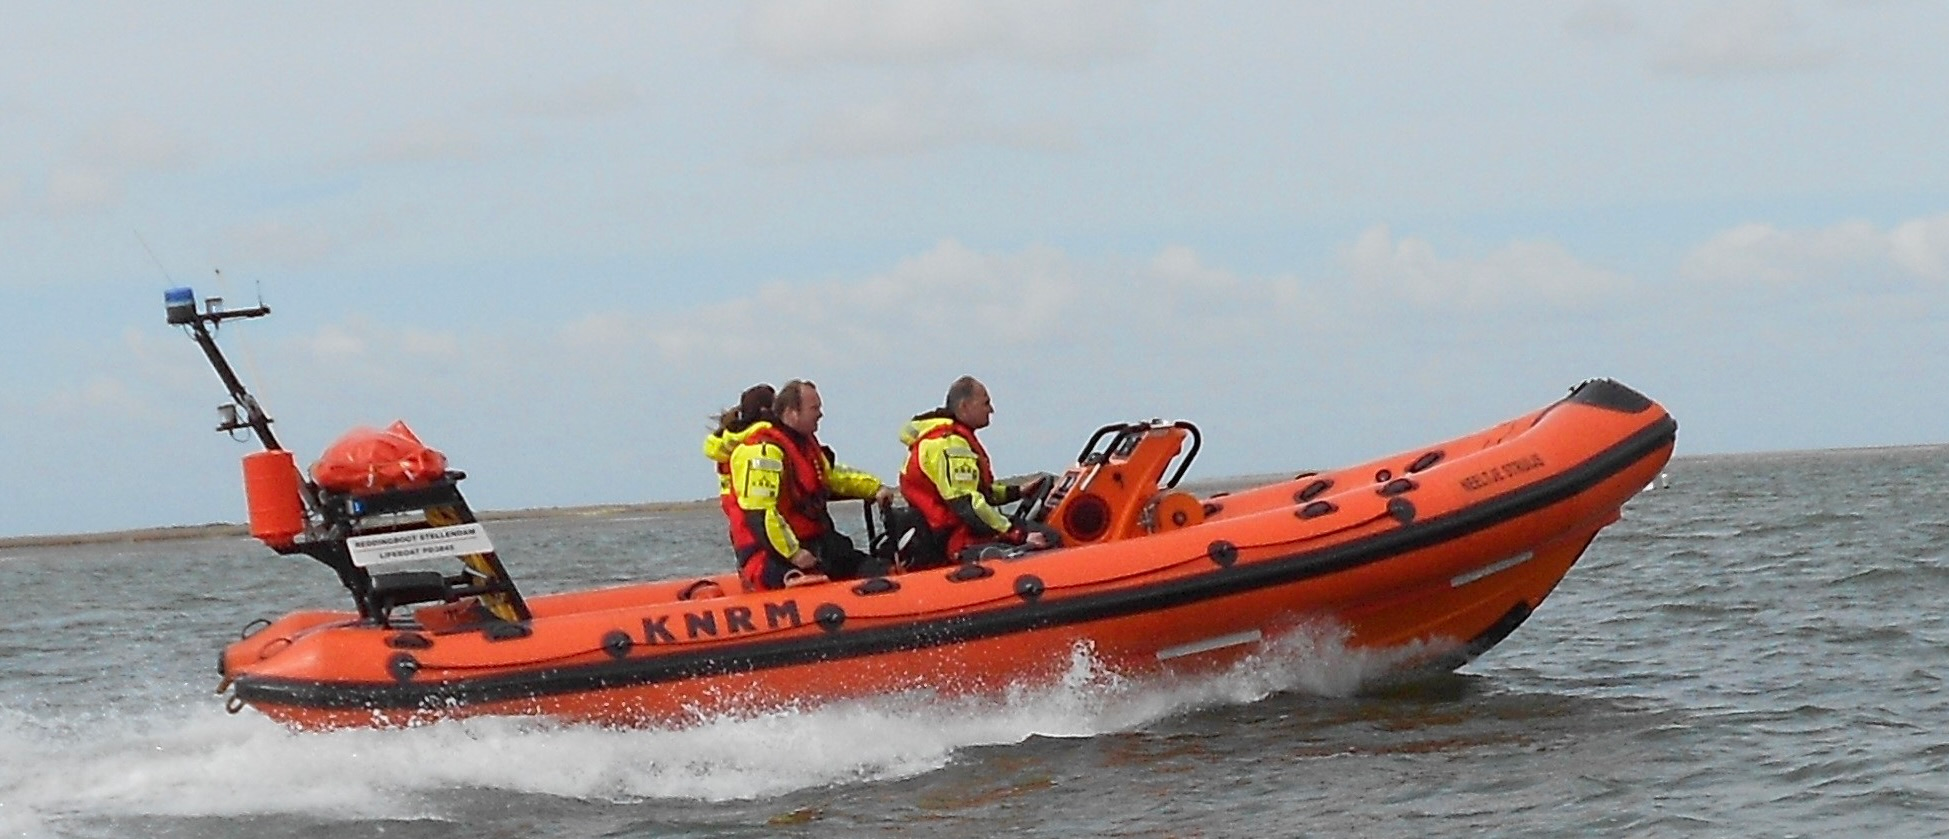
<point>277,510</point>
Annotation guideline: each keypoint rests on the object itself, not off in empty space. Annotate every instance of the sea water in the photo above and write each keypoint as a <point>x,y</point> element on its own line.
<point>1758,648</point>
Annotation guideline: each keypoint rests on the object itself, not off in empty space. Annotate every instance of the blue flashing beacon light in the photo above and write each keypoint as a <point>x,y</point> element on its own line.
<point>181,305</point>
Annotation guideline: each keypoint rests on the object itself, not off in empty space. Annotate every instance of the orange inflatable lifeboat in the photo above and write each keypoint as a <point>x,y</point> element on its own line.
<point>366,460</point>
<point>1440,551</point>
<point>1444,549</point>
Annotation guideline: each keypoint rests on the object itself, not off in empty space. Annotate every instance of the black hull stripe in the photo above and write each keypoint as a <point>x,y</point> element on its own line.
<point>1027,616</point>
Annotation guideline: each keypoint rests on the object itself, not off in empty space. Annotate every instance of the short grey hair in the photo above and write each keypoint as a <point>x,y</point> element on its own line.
<point>961,391</point>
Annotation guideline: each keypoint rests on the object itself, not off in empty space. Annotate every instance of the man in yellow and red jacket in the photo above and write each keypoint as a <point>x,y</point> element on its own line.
<point>782,479</point>
<point>949,480</point>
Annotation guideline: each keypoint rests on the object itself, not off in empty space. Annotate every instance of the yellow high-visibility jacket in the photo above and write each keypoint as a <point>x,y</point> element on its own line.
<point>948,474</point>
<point>782,481</point>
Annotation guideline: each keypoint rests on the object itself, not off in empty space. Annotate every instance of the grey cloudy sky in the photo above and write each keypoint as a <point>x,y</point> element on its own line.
<point>556,237</point>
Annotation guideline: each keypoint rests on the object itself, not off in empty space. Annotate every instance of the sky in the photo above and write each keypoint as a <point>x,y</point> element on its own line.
<point>556,239</point>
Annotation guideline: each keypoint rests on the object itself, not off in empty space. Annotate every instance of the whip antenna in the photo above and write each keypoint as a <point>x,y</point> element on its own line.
<point>152,257</point>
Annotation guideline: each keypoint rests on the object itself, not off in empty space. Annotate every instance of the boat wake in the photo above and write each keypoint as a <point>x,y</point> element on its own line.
<point>195,761</point>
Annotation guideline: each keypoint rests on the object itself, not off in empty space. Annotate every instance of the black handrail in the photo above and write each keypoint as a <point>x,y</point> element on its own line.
<point>1091,445</point>
<point>1124,429</point>
<point>1197,442</point>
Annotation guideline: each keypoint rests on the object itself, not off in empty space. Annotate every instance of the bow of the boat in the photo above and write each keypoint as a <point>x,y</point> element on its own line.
<point>1520,519</point>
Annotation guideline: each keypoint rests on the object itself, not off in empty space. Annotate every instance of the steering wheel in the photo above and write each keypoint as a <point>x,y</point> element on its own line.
<point>1030,507</point>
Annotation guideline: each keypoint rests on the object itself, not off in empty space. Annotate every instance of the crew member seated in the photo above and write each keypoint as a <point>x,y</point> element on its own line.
<point>781,478</point>
<point>948,479</point>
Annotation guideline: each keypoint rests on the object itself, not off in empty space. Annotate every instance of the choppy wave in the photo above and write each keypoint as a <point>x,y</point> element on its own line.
<point>193,761</point>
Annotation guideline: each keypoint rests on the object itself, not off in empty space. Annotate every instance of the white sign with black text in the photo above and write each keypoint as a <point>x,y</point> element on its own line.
<point>381,548</point>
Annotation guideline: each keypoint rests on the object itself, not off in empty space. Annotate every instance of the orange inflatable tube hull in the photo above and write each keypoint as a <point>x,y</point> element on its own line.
<point>1441,551</point>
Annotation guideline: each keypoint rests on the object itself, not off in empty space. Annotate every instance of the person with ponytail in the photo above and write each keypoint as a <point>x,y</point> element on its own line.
<point>734,424</point>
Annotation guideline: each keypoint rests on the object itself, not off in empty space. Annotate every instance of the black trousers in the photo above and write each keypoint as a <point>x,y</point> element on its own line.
<point>840,560</point>
<point>927,549</point>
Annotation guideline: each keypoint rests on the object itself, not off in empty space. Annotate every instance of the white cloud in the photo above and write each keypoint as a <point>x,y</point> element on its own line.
<point>926,118</point>
<point>1048,32</point>
<point>1743,37</point>
<point>1843,254</point>
<point>1043,297</point>
<point>1177,293</point>
<point>1518,275</point>
<point>958,306</point>
<point>1181,267</point>
<point>1921,247</point>
<point>947,291</point>
<point>388,346</point>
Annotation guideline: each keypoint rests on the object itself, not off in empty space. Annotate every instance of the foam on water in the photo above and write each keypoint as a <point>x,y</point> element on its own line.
<point>195,761</point>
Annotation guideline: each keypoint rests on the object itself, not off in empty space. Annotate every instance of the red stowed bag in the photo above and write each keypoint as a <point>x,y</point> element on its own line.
<point>369,459</point>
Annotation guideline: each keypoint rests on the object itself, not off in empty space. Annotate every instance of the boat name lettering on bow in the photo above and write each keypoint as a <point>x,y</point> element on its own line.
<point>1511,469</point>
<point>713,623</point>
